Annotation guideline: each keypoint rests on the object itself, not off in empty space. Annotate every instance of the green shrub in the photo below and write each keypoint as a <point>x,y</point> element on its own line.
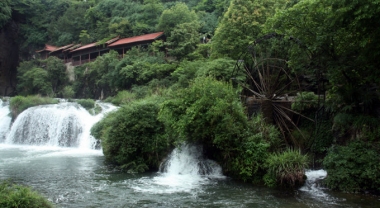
<point>86,103</point>
<point>305,101</point>
<point>132,137</point>
<point>68,92</point>
<point>17,196</point>
<point>210,113</point>
<point>353,168</point>
<point>122,97</point>
<point>20,103</point>
<point>286,169</point>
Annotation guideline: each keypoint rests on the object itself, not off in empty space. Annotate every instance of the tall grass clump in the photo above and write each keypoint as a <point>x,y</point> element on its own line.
<point>17,196</point>
<point>286,169</point>
<point>20,103</point>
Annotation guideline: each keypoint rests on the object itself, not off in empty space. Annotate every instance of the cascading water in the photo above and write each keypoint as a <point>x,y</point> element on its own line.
<point>5,119</point>
<point>185,170</point>
<point>60,125</point>
<point>313,186</point>
<point>189,160</point>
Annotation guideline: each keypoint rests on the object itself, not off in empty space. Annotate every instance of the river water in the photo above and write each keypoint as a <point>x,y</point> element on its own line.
<point>73,174</point>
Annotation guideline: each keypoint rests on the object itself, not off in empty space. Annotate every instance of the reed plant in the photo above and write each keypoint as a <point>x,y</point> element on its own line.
<point>286,169</point>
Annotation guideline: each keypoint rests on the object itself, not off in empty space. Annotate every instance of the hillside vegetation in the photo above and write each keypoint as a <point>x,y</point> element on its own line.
<point>193,86</point>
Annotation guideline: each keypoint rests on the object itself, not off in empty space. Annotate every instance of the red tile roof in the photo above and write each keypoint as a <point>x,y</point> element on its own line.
<point>72,47</point>
<point>91,45</point>
<point>62,48</point>
<point>47,48</point>
<point>152,36</point>
<point>85,47</point>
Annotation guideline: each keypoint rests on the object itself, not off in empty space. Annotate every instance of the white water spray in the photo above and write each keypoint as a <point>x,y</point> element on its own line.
<point>313,186</point>
<point>185,170</point>
<point>5,120</point>
<point>60,125</point>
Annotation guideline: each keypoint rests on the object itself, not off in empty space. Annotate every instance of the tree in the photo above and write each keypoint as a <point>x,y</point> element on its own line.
<point>56,74</point>
<point>183,39</point>
<point>34,81</point>
<point>240,26</point>
<point>341,42</point>
<point>174,16</point>
<point>5,12</point>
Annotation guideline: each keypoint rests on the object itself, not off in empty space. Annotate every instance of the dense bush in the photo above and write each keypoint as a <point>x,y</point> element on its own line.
<point>353,168</point>
<point>210,113</point>
<point>19,103</point>
<point>286,169</point>
<point>17,196</point>
<point>132,137</point>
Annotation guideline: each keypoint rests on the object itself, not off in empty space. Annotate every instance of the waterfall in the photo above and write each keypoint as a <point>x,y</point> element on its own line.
<point>60,125</point>
<point>189,160</point>
<point>313,186</point>
<point>5,119</point>
<point>185,170</point>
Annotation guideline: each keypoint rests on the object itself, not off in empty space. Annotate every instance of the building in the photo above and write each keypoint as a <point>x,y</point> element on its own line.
<point>78,54</point>
<point>44,53</point>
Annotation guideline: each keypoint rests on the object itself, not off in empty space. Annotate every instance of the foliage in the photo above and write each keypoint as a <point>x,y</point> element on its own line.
<point>68,92</point>
<point>122,97</point>
<point>178,14</point>
<point>240,26</point>
<point>86,103</point>
<point>132,137</point>
<point>353,168</point>
<point>209,112</point>
<point>305,101</point>
<point>183,39</point>
<point>34,81</point>
<point>18,104</point>
<point>221,69</point>
<point>350,126</point>
<point>286,168</point>
<point>5,12</point>
<point>46,77</point>
<point>338,42</point>
<point>56,73</point>
<point>138,67</point>
<point>12,196</point>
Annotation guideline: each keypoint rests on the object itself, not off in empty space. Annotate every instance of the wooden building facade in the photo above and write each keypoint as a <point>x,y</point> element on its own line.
<point>78,54</point>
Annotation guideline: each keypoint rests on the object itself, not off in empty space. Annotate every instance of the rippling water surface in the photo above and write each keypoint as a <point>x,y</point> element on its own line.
<point>72,177</point>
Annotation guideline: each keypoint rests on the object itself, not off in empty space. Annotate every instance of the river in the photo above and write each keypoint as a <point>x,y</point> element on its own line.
<point>73,174</point>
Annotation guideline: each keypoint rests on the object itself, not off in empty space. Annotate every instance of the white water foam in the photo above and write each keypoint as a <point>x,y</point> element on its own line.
<point>5,120</point>
<point>313,188</point>
<point>184,171</point>
<point>59,125</point>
